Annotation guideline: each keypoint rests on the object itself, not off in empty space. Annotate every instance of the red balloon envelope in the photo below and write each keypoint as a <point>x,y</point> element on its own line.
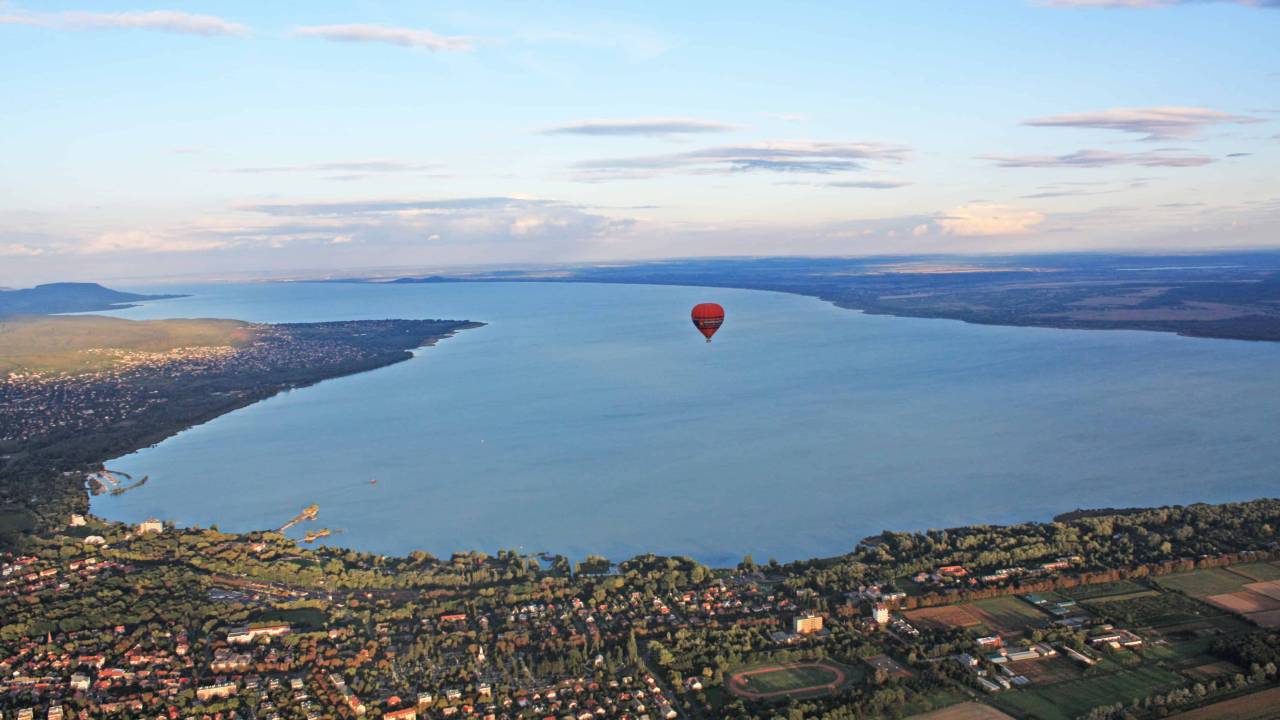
<point>708,317</point>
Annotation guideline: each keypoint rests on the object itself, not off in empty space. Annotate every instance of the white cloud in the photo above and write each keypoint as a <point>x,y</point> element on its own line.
<point>869,184</point>
<point>1156,123</point>
<point>172,21</point>
<point>654,127</point>
<point>19,250</point>
<point>403,37</point>
<point>139,241</point>
<point>989,219</point>
<point>792,156</point>
<point>1099,158</point>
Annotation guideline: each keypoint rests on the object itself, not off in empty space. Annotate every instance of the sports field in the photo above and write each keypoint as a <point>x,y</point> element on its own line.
<point>795,679</point>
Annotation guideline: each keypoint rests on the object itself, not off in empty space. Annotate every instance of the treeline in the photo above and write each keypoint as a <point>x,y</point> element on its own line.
<point>1133,544</point>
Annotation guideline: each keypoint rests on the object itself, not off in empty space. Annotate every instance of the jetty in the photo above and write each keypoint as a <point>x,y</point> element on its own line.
<point>308,513</point>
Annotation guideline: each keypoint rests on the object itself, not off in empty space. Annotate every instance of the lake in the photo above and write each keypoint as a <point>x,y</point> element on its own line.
<point>594,419</point>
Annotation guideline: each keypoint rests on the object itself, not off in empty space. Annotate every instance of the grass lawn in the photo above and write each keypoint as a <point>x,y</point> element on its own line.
<point>1201,583</point>
<point>1069,700</point>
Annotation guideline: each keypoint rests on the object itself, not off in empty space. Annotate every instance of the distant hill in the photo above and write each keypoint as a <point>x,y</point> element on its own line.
<point>66,298</point>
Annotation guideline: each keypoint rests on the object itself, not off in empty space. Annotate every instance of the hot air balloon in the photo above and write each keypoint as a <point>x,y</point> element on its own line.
<point>708,317</point>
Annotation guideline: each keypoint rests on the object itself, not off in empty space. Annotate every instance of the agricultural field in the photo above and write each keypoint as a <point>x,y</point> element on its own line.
<point>964,711</point>
<point>782,680</point>
<point>1144,611</point>
<point>1069,700</point>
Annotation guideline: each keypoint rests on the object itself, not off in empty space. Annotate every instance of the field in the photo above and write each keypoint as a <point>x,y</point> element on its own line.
<point>1269,619</point>
<point>1263,705</point>
<point>1098,590</point>
<point>1245,601</point>
<point>1202,583</point>
<point>62,343</point>
<point>1005,615</point>
<point>1151,611</point>
<point>1009,615</point>
<point>963,711</point>
<point>1257,572</point>
<point>798,679</point>
<point>933,701</point>
<point>1069,700</point>
<point>1257,601</point>
<point>945,617</point>
<point>1048,670</point>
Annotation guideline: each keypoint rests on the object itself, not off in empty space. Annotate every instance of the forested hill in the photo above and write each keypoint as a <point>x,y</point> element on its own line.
<point>68,297</point>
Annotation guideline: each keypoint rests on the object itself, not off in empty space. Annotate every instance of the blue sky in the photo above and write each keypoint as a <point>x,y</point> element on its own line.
<point>215,138</point>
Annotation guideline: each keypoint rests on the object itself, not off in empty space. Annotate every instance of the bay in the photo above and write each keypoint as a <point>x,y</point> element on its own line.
<point>594,419</point>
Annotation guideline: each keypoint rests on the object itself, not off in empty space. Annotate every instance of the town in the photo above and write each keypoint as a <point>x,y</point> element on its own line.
<point>105,620</point>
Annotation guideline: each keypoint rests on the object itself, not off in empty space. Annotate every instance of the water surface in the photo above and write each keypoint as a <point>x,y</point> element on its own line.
<point>594,419</point>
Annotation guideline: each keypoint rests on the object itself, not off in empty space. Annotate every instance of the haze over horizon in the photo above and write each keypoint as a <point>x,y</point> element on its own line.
<point>148,139</point>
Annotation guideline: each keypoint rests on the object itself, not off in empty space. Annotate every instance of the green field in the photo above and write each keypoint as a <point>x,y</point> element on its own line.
<point>1202,583</point>
<point>61,343</point>
<point>1088,592</point>
<point>1069,700</point>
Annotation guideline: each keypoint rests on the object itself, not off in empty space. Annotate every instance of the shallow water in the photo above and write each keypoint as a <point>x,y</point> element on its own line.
<point>594,419</point>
